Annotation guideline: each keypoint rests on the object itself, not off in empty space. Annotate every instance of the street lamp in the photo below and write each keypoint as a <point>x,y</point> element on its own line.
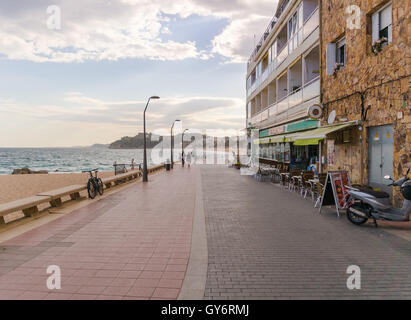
<point>145,175</point>
<point>172,143</point>
<point>182,146</point>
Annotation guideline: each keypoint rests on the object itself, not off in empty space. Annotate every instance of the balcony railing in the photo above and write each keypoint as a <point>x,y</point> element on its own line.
<point>310,24</point>
<point>281,108</point>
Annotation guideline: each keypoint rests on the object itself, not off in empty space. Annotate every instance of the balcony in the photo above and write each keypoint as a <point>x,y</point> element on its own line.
<point>311,23</point>
<point>285,107</point>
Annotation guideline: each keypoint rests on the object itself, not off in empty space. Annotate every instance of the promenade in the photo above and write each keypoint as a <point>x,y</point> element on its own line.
<point>204,232</point>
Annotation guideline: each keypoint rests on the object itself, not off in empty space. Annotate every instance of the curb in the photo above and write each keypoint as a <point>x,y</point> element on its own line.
<point>196,276</point>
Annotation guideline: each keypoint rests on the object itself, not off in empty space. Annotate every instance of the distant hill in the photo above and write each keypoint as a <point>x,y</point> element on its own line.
<point>136,142</point>
<point>99,145</point>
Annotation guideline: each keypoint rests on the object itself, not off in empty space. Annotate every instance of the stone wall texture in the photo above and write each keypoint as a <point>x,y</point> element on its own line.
<point>383,81</point>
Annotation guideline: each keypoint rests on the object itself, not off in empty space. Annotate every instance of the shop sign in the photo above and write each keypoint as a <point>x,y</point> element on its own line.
<point>276,130</point>
<point>264,133</point>
<point>301,125</point>
<point>336,190</point>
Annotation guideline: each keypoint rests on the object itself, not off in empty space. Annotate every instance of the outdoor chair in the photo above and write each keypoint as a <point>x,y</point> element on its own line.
<point>319,188</point>
<point>276,177</point>
<point>305,186</point>
<point>292,180</point>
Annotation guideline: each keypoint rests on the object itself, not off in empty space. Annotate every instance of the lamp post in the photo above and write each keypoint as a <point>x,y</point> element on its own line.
<point>172,143</point>
<point>182,146</point>
<point>145,175</point>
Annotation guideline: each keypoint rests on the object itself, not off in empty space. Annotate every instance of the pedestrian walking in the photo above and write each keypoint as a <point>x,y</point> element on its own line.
<point>189,159</point>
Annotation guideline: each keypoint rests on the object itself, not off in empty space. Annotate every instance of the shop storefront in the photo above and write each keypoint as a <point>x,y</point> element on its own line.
<point>302,148</point>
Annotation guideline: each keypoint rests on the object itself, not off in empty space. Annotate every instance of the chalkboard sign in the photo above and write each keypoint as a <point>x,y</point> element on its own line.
<point>335,191</point>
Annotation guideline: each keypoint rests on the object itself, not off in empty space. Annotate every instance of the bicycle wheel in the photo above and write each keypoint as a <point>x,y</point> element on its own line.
<point>91,189</point>
<point>100,186</point>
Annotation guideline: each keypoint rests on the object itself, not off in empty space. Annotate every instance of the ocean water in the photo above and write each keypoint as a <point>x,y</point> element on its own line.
<point>66,159</point>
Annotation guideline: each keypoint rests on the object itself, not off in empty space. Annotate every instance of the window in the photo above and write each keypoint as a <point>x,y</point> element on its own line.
<point>336,56</point>
<point>340,54</point>
<point>292,25</point>
<point>382,25</point>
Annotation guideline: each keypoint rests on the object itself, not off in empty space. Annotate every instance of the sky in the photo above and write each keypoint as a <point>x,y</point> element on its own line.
<point>75,73</point>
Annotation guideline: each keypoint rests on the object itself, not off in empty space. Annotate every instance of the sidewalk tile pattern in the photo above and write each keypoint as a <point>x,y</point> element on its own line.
<point>134,244</point>
<point>269,243</point>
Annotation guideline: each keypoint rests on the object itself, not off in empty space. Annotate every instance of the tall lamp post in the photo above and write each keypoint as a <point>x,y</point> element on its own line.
<point>172,143</point>
<point>182,145</point>
<point>145,175</point>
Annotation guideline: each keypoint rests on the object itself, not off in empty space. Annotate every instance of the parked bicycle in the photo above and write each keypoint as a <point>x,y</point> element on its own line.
<point>94,184</point>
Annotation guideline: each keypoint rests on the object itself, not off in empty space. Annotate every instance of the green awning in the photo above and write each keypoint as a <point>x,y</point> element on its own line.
<point>281,138</point>
<point>307,142</point>
<point>264,141</point>
<point>308,137</point>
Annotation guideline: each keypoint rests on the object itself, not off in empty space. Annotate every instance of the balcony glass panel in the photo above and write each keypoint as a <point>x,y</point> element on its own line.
<point>264,75</point>
<point>283,54</point>
<point>311,89</point>
<point>311,24</point>
<point>295,98</point>
<point>272,111</point>
<point>264,115</point>
<point>282,105</point>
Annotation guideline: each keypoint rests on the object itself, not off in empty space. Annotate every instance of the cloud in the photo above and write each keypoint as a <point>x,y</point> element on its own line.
<point>80,111</point>
<point>112,30</point>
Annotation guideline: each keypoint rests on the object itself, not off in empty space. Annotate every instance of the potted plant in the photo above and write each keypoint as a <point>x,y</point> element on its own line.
<point>378,45</point>
<point>337,67</point>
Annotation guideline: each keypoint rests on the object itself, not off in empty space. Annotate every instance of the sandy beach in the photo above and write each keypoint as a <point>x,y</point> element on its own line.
<point>14,187</point>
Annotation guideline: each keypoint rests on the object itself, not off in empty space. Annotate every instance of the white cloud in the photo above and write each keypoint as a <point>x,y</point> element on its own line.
<point>109,120</point>
<point>112,30</point>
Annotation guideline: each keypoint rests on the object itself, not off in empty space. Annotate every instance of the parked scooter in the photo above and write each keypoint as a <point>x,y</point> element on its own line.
<point>368,204</point>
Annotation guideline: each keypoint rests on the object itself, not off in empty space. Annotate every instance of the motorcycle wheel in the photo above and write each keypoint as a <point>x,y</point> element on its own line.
<point>355,218</point>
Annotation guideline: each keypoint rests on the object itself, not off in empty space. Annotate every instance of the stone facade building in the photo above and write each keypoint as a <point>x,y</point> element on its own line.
<point>328,89</point>
<point>365,76</point>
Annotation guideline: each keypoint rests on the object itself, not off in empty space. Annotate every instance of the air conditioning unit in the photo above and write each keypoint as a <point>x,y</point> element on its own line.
<point>315,111</point>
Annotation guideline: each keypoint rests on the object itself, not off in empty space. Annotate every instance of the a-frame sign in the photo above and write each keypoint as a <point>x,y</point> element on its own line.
<point>335,191</point>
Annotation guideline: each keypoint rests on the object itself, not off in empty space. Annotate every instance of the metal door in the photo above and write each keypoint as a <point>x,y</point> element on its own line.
<point>380,156</point>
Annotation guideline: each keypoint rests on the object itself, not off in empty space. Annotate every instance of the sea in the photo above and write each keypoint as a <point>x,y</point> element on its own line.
<point>67,160</point>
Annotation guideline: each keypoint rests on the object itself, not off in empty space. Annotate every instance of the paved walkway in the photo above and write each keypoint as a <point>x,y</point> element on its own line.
<point>268,243</point>
<point>204,232</point>
<point>134,244</point>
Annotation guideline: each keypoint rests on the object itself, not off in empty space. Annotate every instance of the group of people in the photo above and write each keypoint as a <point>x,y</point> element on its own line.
<point>188,159</point>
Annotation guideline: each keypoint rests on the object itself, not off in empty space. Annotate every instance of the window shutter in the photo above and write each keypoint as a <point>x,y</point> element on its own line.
<point>390,33</point>
<point>331,55</point>
<point>386,17</point>
<point>375,27</point>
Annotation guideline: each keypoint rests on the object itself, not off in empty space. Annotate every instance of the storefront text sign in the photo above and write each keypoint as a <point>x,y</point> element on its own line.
<point>276,130</point>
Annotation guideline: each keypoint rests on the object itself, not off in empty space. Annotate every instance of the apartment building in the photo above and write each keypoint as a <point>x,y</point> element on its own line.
<point>365,77</point>
<point>283,83</point>
<point>328,85</point>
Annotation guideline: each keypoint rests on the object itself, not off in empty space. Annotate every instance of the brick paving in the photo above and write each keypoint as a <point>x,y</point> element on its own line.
<point>268,243</point>
<point>134,244</point>
<point>263,243</point>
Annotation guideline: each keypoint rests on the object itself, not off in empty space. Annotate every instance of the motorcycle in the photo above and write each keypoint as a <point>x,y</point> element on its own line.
<point>367,204</point>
